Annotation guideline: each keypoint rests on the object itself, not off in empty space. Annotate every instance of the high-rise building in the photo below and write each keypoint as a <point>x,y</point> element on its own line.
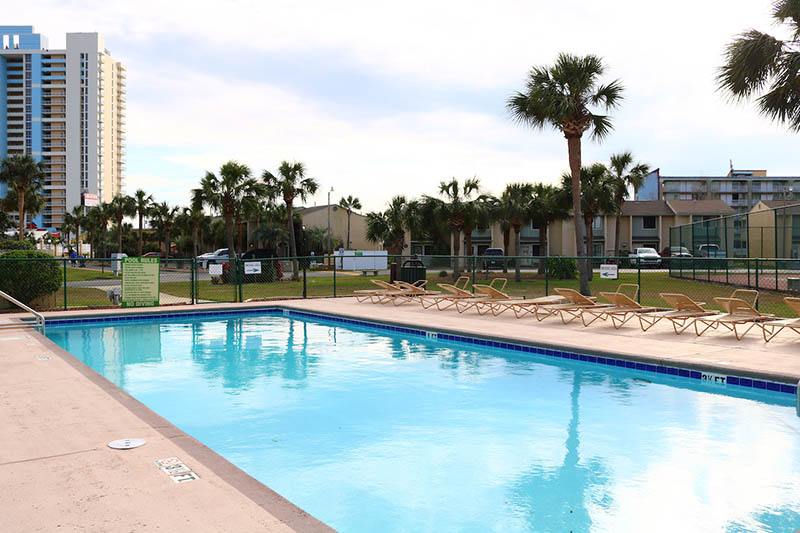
<point>740,189</point>
<point>66,108</point>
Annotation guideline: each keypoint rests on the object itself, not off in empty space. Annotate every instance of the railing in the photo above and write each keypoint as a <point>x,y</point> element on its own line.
<point>38,316</point>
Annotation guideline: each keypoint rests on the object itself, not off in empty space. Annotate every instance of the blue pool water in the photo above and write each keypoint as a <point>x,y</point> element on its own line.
<point>371,431</point>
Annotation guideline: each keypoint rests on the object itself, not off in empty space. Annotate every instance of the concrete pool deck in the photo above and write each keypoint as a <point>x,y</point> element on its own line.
<point>58,415</point>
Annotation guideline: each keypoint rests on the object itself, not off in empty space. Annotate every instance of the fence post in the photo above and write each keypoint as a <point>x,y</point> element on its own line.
<point>473,269</point>
<point>546,278</point>
<point>756,275</point>
<point>65,284</point>
<point>304,281</point>
<point>191,280</point>
<point>776,274</point>
<point>726,271</point>
<point>334,277</point>
<point>639,281</point>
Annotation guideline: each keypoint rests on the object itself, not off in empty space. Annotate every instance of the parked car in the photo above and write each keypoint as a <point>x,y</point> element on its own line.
<point>257,253</point>
<point>645,257</point>
<point>157,254</point>
<point>493,258</point>
<point>216,257</point>
<point>675,251</point>
<point>710,250</point>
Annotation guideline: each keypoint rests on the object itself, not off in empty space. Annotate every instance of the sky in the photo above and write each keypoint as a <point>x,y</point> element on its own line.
<point>379,99</point>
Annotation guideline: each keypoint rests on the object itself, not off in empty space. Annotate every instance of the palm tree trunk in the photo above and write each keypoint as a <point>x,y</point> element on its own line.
<point>167,236</point>
<point>456,250</point>
<point>195,238</point>
<point>542,246</point>
<point>574,151</point>
<point>239,234</point>
<point>21,211</point>
<point>468,245</point>
<point>589,244</point>
<point>139,246</point>
<point>517,260</point>
<point>348,228</point>
<point>616,232</point>
<point>292,243</point>
<point>229,233</point>
<point>119,235</point>
<point>506,240</point>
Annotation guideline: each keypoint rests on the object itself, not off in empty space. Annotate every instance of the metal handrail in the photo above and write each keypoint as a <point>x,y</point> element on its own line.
<point>39,316</point>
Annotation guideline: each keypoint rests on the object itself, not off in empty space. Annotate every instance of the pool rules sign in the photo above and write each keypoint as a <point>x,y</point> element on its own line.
<point>140,281</point>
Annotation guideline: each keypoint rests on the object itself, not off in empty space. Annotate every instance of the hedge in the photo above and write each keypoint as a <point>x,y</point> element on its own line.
<point>28,280</point>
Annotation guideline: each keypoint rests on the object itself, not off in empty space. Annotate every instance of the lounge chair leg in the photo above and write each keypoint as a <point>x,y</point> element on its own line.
<point>585,323</point>
<point>707,327</point>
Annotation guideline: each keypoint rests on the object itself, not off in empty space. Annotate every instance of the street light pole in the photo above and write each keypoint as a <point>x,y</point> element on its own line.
<point>330,247</point>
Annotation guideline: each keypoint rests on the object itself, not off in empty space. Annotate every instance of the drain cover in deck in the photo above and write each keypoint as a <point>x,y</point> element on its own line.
<point>126,444</point>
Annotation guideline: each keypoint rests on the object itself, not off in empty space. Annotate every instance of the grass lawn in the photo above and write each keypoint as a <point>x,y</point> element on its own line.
<point>652,284</point>
<point>85,274</point>
<point>82,297</point>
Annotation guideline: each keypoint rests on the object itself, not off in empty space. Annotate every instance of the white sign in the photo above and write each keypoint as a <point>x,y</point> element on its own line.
<point>215,270</point>
<point>609,272</point>
<point>362,260</point>
<point>90,200</point>
<point>252,267</point>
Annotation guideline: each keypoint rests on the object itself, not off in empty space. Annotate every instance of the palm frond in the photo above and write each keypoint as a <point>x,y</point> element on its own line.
<point>750,61</point>
<point>600,126</point>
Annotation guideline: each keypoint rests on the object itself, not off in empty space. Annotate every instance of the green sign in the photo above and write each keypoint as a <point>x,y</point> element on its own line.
<point>140,281</point>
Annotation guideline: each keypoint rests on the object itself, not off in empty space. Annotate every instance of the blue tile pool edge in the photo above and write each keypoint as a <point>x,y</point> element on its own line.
<point>691,373</point>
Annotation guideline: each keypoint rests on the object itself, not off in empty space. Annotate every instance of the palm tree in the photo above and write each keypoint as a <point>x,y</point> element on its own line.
<point>120,207</point>
<point>597,198</point>
<point>517,204</point>
<point>67,226</point>
<point>142,202</point>
<point>562,96</point>
<point>225,192</point>
<point>625,175</point>
<point>757,62</point>
<point>94,221</point>
<point>164,215</point>
<point>389,227</point>
<point>290,183</point>
<point>546,207</point>
<point>25,177</point>
<point>105,214</point>
<point>196,217</point>
<point>79,220</point>
<point>349,204</point>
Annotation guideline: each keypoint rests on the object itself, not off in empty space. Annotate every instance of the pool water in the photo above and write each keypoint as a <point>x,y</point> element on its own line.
<point>371,431</point>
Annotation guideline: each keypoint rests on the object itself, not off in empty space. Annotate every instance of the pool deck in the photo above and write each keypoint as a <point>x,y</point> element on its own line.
<point>58,416</point>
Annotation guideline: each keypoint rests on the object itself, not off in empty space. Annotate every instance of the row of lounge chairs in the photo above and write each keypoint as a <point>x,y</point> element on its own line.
<point>739,314</point>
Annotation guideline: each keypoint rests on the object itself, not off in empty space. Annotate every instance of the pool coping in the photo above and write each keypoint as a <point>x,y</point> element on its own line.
<point>273,503</point>
<point>705,371</point>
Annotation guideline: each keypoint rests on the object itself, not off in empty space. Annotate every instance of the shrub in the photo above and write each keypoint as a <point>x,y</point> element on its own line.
<point>28,280</point>
<point>562,268</point>
<point>443,274</point>
<point>15,244</point>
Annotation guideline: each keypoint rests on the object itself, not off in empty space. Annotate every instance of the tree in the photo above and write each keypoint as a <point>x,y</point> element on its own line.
<point>67,227</point>
<point>121,206</point>
<point>164,217</point>
<point>624,176</point>
<point>547,206</point>
<point>349,204</point>
<point>143,202</point>
<point>25,177</point>
<point>196,217</point>
<point>517,202</point>
<point>290,183</point>
<point>389,227</point>
<point>758,63</point>
<point>455,208</point>
<point>94,221</point>
<point>562,96</point>
<point>597,198</point>
<point>225,192</point>
<point>79,221</point>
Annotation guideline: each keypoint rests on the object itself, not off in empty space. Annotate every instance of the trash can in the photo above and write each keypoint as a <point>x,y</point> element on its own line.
<point>413,270</point>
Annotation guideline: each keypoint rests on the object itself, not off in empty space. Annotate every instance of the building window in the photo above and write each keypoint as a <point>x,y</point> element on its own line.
<point>648,222</point>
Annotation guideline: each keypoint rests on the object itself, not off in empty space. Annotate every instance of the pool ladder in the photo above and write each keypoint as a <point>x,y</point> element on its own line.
<point>39,317</point>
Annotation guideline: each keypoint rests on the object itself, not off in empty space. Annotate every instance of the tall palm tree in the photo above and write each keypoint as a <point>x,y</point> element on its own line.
<point>389,227</point>
<point>142,201</point>
<point>349,204</point>
<point>94,221</point>
<point>562,96</point>
<point>517,204</point>
<point>225,192</point>
<point>597,198</point>
<point>165,216</point>
<point>67,227</point>
<point>290,183</point>
<point>121,206</point>
<point>624,176</point>
<point>758,63</point>
<point>25,177</point>
<point>80,221</point>
<point>546,207</point>
<point>105,214</point>
<point>196,217</point>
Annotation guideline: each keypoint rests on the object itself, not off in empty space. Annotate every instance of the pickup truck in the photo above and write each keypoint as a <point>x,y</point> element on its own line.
<point>710,250</point>
<point>646,257</point>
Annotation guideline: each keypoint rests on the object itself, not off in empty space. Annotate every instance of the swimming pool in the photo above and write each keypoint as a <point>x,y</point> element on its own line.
<point>370,429</point>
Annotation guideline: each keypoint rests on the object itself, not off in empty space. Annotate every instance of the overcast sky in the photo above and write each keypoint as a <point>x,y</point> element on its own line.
<point>380,98</point>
